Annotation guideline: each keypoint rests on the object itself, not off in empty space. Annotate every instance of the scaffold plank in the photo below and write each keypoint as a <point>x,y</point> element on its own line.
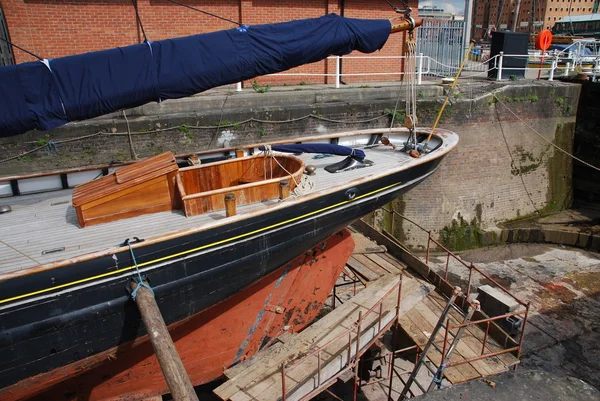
<point>393,268</point>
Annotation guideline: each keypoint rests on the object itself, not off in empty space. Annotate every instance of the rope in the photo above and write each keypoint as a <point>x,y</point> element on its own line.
<point>303,187</point>
<point>541,136</point>
<point>204,12</point>
<point>250,120</point>
<point>512,163</point>
<point>307,184</point>
<point>140,282</point>
<point>23,50</point>
<point>139,21</point>
<point>437,377</point>
<point>133,154</point>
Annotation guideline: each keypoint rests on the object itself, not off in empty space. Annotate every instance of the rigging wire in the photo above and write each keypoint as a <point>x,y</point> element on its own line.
<point>396,9</point>
<point>204,12</point>
<point>512,162</point>
<point>546,140</point>
<point>139,20</point>
<point>20,48</point>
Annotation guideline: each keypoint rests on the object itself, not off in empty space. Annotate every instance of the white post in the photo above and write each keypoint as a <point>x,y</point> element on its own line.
<point>567,69</point>
<point>238,87</point>
<point>337,72</point>
<point>420,69</point>
<point>552,67</point>
<point>500,58</point>
<point>467,24</point>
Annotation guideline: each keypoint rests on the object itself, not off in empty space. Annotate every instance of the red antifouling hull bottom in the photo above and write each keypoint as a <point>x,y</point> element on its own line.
<point>209,342</point>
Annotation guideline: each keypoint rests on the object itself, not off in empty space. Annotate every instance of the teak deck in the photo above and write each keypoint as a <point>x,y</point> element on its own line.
<point>43,228</point>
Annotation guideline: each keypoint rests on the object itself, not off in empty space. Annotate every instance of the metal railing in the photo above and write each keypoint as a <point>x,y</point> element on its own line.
<point>354,347</point>
<point>429,66</point>
<point>472,270</point>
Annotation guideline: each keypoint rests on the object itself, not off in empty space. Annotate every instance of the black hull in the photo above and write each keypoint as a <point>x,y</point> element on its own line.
<point>51,329</point>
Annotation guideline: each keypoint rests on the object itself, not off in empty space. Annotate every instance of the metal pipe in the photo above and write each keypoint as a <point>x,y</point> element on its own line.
<point>440,322</point>
<point>523,330</point>
<point>356,361</point>
<point>319,369</point>
<point>487,329</point>
<point>420,69</point>
<point>500,59</point>
<point>283,389</point>
<point>338,65</point>
<point>447,265</point>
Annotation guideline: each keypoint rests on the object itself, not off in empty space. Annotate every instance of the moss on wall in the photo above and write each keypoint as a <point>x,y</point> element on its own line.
<point>461,235</point>
<point>560,166</point>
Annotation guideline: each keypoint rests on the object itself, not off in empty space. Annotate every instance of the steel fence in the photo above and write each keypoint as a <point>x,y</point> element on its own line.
<point>441,41</point>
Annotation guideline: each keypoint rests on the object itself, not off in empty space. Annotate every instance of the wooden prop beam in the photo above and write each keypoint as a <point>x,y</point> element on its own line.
<point>172,367</point>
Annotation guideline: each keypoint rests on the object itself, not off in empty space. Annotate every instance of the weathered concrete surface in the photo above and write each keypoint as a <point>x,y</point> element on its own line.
<point>578,227</point>
<point>519,386</point>
<point>563,286</point>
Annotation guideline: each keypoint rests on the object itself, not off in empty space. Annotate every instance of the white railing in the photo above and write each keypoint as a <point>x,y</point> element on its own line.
<point>425,66</point>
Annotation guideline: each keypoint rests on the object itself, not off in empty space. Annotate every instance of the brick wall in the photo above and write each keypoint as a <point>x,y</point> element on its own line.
<point>56,28</point>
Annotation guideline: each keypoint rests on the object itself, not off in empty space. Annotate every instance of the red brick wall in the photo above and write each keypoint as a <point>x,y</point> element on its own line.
<point>56,28</point>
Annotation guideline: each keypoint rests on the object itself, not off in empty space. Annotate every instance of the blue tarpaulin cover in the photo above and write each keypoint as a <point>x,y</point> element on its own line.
<point>328,148</point>
<point>47,94</point>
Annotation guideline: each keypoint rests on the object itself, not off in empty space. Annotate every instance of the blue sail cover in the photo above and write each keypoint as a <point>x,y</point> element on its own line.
<point>322,148</point>
<point>47,94</point>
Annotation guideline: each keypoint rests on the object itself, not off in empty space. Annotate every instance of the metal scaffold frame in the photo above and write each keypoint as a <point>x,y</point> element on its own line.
<point>354,349</point>
<point>460,302</point>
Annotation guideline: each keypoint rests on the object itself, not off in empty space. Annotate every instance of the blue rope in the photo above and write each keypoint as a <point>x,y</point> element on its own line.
<point>437,378</point>
<point>50,146</point>
<point>140,283</point>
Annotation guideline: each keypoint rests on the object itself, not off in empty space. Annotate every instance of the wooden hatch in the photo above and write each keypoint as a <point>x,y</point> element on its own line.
<point>157,184</point>
<point>144,187</point>
<point>249,179</point>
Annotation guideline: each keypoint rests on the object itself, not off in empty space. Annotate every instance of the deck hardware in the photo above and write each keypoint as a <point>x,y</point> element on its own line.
<point>5,209</point>
<point>230,207</point>
<point>284,189</point>
<point>135,240</point>
<point>54,250</point>
<point>351,194</point>
<point>310,169</point>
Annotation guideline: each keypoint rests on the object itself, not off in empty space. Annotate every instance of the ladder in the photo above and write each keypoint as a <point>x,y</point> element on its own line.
<point>437,375</point>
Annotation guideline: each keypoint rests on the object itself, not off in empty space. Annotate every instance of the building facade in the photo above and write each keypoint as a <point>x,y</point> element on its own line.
<point>524,15</point>
<point>56,28</point>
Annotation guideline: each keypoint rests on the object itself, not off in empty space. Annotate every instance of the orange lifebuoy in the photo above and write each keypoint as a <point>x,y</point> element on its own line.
<point>543,40</point>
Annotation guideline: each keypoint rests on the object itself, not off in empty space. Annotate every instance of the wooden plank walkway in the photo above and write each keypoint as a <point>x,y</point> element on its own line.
<point>261,379</point>
<point>418,323</point>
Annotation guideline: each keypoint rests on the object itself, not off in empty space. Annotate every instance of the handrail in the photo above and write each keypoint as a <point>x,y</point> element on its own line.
<point>356,328</point>
<point>469,266</point>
